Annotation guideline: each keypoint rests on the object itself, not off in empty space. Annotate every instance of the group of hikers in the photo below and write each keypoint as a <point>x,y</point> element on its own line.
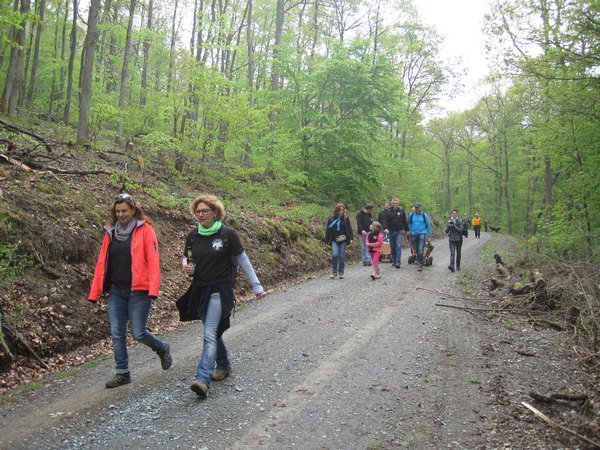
<point>128,270</point>
<point>392,227</point>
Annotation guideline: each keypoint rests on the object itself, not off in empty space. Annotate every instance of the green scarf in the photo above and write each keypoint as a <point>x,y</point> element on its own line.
<point>216,226</point>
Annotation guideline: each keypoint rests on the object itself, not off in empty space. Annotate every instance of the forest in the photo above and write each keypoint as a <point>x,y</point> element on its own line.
<point>287,104</point>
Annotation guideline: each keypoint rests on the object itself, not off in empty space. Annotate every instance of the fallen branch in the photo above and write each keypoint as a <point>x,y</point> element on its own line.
<point>66,172</point>
<point>558,396</point>
<point>16,129</point>
<point>19,164</point>
<point>542,416</point>
<point>3,341</point>
<point>446,294</point>
<point>551,324</point>
<point>467,308</point>
<point>22,340</point>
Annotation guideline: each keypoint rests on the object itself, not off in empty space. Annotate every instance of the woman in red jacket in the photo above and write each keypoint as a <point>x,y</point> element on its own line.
<point>128,268</point>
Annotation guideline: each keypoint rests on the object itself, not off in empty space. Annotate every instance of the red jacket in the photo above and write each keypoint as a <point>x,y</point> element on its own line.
<point>145,262</point>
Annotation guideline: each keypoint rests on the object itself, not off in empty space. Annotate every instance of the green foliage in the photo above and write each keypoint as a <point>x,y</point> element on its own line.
<point>11,264</point>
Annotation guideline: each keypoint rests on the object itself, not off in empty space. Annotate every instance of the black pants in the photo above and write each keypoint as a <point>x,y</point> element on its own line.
<point>455,248</point>
<point>477,230</point>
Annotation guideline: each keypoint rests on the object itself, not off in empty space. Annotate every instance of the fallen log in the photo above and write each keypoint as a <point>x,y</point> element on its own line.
<point>16,129</point>
<point>551,422</point>
<point>14,162</point>
<point>558,396</point>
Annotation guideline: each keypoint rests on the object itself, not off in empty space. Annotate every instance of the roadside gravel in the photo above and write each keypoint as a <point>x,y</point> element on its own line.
<point>328,364</point>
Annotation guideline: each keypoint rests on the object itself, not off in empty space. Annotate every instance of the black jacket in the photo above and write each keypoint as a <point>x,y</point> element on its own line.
<point>363,222</point>
<point>395,220</point>
<point>331,232</point>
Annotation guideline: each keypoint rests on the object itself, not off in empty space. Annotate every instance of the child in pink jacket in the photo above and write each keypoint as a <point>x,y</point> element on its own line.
<point>374,242</point>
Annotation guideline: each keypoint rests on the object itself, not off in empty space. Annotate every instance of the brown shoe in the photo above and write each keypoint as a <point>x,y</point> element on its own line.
<point>199,388</point>
<point>221,374</point>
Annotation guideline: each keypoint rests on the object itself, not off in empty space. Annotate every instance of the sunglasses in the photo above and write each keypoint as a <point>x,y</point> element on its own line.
<point>124,196</point>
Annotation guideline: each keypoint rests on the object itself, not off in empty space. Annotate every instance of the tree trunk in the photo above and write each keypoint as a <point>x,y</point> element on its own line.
<point>14,78</point>
<point>63,51</point>
<point>505,185</point>
<point>53,88</point>
<point>21,100</point>
<point>36,54</point>
<point>147,53</point>
<point>71,62</point>
<point>125,68</point>
<point>172,48</point>
<point>250,83</point>
<point>89,49</point>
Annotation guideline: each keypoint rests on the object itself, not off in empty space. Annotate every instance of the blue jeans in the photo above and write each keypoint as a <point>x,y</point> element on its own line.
<point>125,306</point>
<point>419,241</point>
<point>364,251</point>
<point>395,238</point>
<point>214,347</point>
<point>338,252</point>
<point>455,250</point>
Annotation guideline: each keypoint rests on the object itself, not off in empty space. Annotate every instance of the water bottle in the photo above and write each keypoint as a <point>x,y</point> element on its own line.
<point>190,262</point>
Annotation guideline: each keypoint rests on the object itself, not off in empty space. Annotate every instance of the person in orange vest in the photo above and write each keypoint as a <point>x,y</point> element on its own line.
<point>477,226</point>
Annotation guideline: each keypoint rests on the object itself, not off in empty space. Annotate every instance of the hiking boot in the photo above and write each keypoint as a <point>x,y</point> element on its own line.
<point>372,276</point>
<point>458,268</point>
<point>165,357</point>
<point>397,265</point>
<point>118,380</point>
<point>420,269</point>
<point>451,268</point>
<point>332,276</point>
<point>221,374</point>
<point>199,388</point>
<point>341,275</point>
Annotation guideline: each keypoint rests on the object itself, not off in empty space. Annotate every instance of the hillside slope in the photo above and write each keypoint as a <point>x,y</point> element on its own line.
<point>53,207</point>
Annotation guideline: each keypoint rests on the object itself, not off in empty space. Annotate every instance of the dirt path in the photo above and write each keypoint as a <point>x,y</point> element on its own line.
<point>336,364</point>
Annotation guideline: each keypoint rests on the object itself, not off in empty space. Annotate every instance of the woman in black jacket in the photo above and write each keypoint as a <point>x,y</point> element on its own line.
<point>338,235</point>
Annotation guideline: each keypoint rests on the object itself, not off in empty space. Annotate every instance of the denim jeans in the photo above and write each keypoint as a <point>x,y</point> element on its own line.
<point>455,250</point>
<point>214,347</point>
<point>419,240</point>
<point>338,252</point>
<point>395,238</point>
<point>364,251</point>
<point>125,306</point>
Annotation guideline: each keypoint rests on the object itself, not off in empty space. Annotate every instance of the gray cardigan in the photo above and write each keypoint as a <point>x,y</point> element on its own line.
<point>454,232</point>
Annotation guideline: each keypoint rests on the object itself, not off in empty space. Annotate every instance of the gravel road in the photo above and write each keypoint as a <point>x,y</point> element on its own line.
<point>328,364</point>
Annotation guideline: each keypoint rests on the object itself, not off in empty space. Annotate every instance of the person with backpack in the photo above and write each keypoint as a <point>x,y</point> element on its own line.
<point>211,255</point>
<point>128,268</point>
<point>395,227</point>
<point>420,232</point>
<point>455,231</point>
<point>363,225</point>
<point>338,235</point>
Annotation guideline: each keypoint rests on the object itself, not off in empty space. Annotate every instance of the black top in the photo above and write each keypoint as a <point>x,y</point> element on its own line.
<point>338,226</point>
<point>119,262</point>
<point>363,222</point>
<point>213,255</point>
<point>395,220</point>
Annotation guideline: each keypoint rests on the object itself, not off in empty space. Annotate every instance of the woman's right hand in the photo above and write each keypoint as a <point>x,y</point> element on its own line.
<point>187,269</point>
